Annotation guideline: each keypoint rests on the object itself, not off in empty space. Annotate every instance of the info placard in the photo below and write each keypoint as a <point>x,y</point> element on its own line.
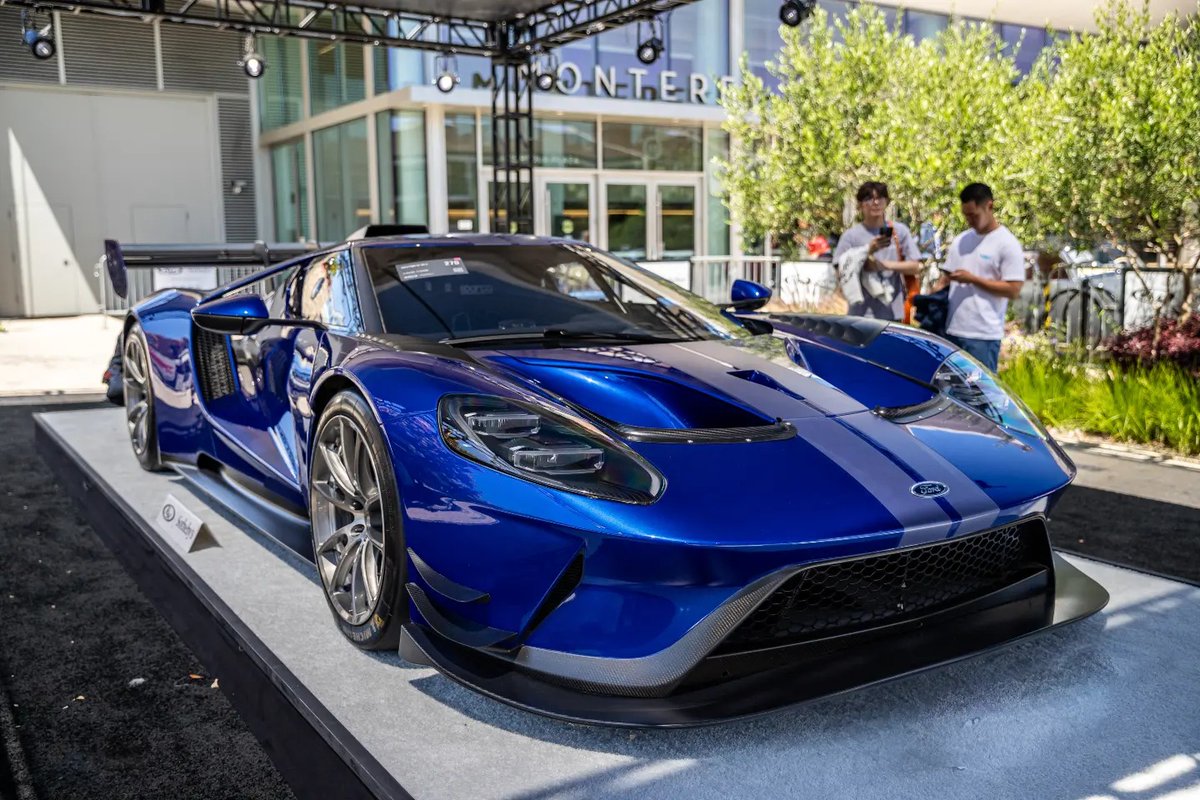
<point>180,526</point>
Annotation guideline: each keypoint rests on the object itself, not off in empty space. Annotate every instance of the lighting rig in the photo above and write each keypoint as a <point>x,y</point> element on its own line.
<point>650,47</point>
<point>547,72</point>
<point>39,39</point>
<point>794,12</point>
<point>446,67</point>
<point>252,63</point>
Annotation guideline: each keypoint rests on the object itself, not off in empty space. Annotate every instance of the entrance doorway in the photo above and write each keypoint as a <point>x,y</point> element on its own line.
<point>651,220</point>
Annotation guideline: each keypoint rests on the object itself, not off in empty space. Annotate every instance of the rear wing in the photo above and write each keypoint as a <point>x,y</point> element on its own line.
<point>119,258</point>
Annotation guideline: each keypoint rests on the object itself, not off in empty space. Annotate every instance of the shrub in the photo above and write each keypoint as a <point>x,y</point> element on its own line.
<point>1156,404</point>
<point>1178,344</point>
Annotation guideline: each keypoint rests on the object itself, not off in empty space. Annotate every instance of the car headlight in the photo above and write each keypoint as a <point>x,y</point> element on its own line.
<point>965,379</point>
<point>546,447</point>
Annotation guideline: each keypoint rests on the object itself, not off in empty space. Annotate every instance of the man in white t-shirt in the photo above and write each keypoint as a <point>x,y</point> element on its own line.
<point>985,268</point>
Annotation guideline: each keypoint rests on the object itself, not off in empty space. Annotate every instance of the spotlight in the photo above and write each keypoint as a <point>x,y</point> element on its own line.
<point>649,51</point>
<point>650,47</point>
<point>40,41</point>
<point>253,64</point>
<point>42,47</point>
<point>446,66</point>
<point>794,12</point>
<point>547,73</point>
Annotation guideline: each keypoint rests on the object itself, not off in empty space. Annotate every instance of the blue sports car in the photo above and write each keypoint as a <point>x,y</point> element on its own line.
<point>571,485</point>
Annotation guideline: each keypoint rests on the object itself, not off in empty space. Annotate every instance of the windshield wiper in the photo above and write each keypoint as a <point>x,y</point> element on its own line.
<point>561,335</point>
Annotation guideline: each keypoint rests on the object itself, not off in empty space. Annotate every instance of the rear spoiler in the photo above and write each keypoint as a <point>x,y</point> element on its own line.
<point>119,258</point>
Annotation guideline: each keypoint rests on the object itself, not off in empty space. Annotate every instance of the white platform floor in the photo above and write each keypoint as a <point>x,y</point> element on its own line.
<point>1106,708</point>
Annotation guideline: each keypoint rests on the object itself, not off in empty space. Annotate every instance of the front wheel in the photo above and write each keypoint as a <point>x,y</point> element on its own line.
<point>358,539</point>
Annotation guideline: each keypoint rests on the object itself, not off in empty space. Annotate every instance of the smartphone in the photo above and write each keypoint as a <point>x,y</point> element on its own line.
<point>886,230</point>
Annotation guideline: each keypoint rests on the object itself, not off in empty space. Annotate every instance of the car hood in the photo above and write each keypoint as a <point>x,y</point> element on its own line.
<point>682,386</point>
<point>847,471</point>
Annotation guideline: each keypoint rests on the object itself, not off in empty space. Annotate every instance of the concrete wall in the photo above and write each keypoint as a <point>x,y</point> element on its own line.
<point>78,166</point>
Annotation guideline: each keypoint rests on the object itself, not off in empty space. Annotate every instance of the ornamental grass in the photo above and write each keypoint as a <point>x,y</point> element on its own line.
<point>1156,404</point>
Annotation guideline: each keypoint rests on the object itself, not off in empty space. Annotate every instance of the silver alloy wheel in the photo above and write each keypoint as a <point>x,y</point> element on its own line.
<point>137,393</point>
<point>347,519</point>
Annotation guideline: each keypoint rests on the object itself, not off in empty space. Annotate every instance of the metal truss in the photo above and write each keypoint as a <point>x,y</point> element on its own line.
<point>571,20</point>
<point>512,144</point>
<point>311,19</point>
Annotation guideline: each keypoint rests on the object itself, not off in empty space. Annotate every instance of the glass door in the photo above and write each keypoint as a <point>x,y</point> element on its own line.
<point>565,209</point>
<point>626,229</point>
<point>677,231</point>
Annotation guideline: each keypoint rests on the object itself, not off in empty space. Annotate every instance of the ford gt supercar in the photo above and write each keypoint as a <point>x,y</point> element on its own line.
<point>569,484</point>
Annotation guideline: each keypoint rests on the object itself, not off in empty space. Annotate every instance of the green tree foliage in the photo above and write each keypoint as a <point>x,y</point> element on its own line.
<point>1099,142</point>
<point>1120,119</point>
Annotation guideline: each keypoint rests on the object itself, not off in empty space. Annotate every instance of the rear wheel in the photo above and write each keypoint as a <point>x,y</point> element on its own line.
<point>358,541</point>
<point>139,400</point>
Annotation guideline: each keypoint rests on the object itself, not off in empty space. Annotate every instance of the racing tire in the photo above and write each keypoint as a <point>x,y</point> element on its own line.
<point>357,529</point>
<point>138,392</point>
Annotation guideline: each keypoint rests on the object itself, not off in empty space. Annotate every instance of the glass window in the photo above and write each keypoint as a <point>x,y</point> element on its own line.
<point>335,75</point>
<point>397,67</point>
<point>280,91</point>
<point>342,179</point>
<point>563,142</point>
<point>762,36</point>
<point>696,39</point>
<point>556,142</point>
<point>400,136</point>
<point>626,220</point>
<point>462,173</point>
<point>327,293</point>
<point>717,146</point>
<point>1022,44</point>
<point>289,178</point>
<point>652,147</point>
<point>924,25</point>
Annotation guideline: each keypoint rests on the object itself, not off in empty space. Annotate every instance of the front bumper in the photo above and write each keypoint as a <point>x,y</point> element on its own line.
<point>695,682</point>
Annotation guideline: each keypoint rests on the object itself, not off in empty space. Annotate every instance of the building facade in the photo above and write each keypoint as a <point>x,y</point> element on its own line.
<point>149,132</point>
<point>624,150</point>
<point>133,131</point>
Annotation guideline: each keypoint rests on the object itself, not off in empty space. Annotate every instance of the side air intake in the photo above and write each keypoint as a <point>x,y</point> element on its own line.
<point>214,373</point>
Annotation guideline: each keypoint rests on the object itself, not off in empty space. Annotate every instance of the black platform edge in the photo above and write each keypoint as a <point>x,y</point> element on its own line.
<point>312,750</point>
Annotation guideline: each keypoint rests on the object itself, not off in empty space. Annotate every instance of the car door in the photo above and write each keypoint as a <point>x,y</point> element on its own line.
<point>325,293</point>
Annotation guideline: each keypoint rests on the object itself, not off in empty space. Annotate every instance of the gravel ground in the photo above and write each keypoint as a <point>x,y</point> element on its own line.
<point>102,690</point>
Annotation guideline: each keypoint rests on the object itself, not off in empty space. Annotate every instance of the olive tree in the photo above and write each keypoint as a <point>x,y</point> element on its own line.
<point>858,101</point>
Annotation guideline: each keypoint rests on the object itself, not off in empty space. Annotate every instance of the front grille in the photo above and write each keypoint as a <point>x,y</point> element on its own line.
<point>213,370</point>
<point>854,595</point>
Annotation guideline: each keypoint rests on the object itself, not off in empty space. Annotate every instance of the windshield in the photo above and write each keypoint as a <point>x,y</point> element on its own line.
<point>537,294</point>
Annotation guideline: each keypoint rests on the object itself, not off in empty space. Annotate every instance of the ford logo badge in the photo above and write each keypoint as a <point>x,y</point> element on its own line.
<point>929,489</point>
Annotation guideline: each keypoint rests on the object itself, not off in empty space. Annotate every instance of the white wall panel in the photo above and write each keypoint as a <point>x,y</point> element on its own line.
<point>77,167</point>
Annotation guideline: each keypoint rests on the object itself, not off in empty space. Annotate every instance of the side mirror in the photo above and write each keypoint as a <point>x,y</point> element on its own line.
<point>241,314</point>
<point>236,314</point>
<point>114,262</point>
<point>748,295</point>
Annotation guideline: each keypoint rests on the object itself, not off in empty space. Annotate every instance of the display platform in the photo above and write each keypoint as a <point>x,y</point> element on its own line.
<point>1070,713</point>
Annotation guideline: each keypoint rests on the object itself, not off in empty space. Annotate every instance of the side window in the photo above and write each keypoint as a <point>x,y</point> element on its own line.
<point>327,293</point>
<point>279,287</point>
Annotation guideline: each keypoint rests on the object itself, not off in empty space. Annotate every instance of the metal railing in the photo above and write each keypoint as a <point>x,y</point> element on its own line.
<point>713,276</point>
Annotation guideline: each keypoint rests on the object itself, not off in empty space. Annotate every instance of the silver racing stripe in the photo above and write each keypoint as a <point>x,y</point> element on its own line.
<point>923,520</point>
<point>976,509</point>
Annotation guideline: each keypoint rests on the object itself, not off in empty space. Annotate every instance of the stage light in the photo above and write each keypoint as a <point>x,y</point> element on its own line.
<point>253,64</point>
<point>547,73</point>
<point>446,67</point>
<point>794,12</point>
<point>40,41</point>
<point>42,48</point>
<point>650,47</point>
<point>649,51</point>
